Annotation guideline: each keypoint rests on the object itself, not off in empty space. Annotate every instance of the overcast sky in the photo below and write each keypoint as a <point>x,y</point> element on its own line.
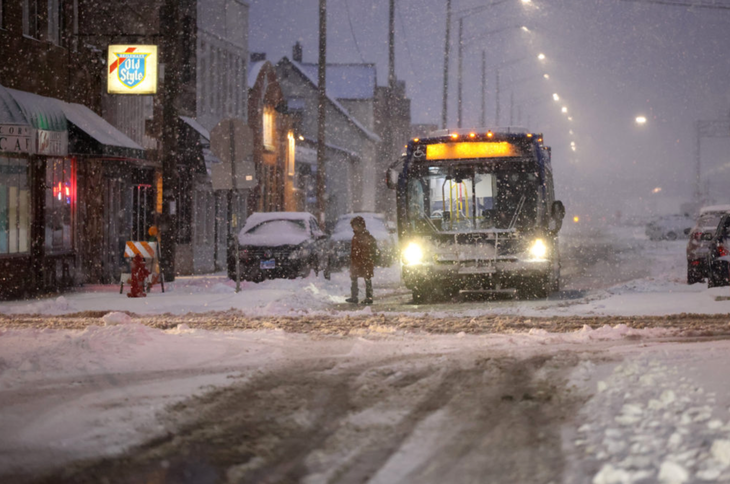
<point>609,61</point>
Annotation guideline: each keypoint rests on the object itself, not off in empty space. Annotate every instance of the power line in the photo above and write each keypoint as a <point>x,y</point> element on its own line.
<point>683,4</point>
<point>352,31</point>
<point>405,34</point>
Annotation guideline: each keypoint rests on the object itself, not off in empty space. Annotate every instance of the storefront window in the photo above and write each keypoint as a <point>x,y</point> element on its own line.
<point>14,206</point>
<point>60,201</point>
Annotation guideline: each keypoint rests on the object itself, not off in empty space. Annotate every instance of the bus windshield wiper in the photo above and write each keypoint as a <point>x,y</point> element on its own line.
<point>517,212</point>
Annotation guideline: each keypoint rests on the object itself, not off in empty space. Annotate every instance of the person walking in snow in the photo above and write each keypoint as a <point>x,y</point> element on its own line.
<point>362,260</point>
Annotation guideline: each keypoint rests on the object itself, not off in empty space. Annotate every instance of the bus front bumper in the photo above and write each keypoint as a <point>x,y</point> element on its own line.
<point>474,275</point>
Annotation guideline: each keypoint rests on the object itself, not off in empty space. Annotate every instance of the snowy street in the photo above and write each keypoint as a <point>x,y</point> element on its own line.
<point>619,378</point>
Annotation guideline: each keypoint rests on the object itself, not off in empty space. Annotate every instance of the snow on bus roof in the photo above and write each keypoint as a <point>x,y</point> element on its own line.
<point>465,131</point>
<point>715,208</point>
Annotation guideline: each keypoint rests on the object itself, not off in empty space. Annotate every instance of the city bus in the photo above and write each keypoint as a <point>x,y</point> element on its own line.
<point>476,211</point>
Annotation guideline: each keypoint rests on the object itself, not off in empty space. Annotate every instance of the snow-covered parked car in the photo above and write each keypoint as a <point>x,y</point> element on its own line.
<point>700,237</point>
<point>718,254</point>
<point>669,227</point>
<point>279,244</point>
<point>342,237</point>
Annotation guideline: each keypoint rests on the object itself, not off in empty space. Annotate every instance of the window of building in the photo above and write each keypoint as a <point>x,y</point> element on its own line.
<point>31,18</point>
<point>290,153</point>
<point>269,127</point>
<point>14,206</point>
<point>54,20</point>
<point>60,201</point>
<point>2,18</point>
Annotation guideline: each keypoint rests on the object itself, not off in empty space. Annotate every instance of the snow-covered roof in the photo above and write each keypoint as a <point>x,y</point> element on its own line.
<point>715,208</point>
<point>254,69</point>
<point>347,81</point>
<point>330,146</point>
<point>313,81</point>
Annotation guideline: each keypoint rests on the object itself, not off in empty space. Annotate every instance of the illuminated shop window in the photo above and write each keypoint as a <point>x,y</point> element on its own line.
<point>14,206</point>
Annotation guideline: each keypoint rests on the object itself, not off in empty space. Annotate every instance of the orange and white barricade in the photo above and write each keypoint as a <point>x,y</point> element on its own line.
<point>150,251</point>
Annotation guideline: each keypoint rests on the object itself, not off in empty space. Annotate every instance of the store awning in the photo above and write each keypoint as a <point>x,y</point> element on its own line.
<point>10,112</point>
<point>90,134</point>
<point>41,112</point>
<point>208,157</point>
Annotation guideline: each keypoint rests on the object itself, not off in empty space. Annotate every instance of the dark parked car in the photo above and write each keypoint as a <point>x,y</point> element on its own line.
<point>378,228</point>
<point>718,254</point>
<point>279,245</point>
<point>700,235</point>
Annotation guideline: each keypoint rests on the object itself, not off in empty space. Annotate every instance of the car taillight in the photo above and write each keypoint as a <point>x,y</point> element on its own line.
<point>722,251</point>
<point>697,235</point>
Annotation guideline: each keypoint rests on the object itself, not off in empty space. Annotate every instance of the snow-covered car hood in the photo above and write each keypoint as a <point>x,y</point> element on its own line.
<point>272,240</point>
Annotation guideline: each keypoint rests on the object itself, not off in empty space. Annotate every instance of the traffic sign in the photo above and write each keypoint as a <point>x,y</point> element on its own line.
<point>232,142</point>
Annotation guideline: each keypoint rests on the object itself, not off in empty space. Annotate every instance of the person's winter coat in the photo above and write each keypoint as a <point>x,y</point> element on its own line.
<point>362,253</point>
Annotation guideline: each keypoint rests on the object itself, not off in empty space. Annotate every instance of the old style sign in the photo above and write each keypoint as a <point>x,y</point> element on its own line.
<point>132,69</point>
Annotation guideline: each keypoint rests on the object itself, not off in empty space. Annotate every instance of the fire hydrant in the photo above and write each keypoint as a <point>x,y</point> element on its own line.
<point>139,275</point>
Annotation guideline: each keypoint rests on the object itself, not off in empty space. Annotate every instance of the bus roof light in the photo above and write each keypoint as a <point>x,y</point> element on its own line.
<point>454,136</point>
<point>472,135</point>
<point>489,134</point>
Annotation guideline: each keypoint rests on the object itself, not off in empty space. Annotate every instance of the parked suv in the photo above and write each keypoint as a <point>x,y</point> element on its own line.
<point>669,227</point>
<point>279,245</point>
<point>700,235</point>
<point>718,254</point>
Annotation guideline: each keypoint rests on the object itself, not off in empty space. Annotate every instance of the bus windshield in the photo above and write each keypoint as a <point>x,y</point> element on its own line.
<point>467,198</point>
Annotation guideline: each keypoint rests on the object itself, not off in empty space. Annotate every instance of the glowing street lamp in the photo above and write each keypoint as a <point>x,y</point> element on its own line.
<point>556,97</point>
<point>546,76</point>
<point>564,110</point>
<point>541,56</point>
<point>640,120</point>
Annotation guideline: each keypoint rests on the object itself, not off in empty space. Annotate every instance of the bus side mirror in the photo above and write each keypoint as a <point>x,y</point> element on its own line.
<point>557,214</point>
<point>391,178</point>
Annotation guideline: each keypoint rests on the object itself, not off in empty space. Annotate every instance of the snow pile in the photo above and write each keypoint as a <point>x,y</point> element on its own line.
<point>651,421</point>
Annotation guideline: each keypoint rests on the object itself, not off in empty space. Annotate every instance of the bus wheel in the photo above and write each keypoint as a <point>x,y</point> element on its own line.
<point>537,287</point>
<point>421,294</point>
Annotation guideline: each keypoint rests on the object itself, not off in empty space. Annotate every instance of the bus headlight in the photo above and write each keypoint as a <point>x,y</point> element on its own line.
<point>538,249</point>
<point>412,254</point>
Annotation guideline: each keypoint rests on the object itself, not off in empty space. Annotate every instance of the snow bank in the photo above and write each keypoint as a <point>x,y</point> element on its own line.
<point>659,416</point>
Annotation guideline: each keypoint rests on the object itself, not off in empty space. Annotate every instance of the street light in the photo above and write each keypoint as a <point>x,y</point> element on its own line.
<point>556,97</point>
<point>640,120</point>
<point>541,56</point>
<point>564,110</point>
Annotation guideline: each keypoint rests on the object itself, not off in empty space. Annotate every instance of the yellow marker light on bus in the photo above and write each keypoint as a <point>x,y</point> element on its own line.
<point>467,150</point>
<point>472,135</point>
<point>413,254</point>
<point>489,134</point>
<point>529,135</point>
<point>415,140</point>
<point>454,136</point>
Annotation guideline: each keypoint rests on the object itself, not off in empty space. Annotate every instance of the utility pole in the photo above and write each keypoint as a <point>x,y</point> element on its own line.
<point>497,99</point>
<point>461,61</point>
<point>483,118</point>
<point>391,46</point>
<point>169,21</point>
<point>445,105</point>
<point>322,91</point>
<point>511,108</point>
